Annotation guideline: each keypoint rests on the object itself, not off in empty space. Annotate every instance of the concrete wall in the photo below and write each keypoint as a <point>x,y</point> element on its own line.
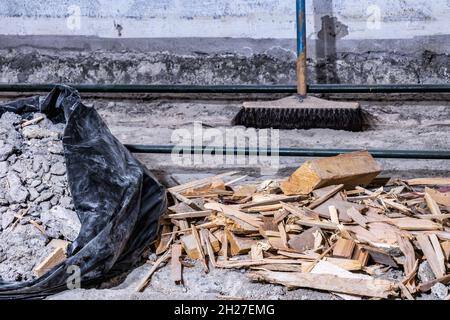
<point>228,41</point>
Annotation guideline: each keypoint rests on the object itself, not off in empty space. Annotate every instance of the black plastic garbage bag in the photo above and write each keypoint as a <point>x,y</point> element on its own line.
<point>117,200</point>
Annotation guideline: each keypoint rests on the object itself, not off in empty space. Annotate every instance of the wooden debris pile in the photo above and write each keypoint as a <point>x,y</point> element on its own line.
<point>319,229</point>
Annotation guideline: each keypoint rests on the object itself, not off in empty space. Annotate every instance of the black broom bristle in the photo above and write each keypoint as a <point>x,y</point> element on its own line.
<point>350,119</point>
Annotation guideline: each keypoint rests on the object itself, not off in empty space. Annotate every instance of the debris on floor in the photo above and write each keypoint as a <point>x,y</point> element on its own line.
<point>36,209</point>
<point>332,226</point>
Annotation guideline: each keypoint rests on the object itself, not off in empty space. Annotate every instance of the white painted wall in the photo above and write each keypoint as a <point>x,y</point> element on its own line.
<point>366,19</point>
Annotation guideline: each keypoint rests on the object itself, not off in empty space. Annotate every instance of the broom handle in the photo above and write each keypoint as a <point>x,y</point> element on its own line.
<point>301,47</point>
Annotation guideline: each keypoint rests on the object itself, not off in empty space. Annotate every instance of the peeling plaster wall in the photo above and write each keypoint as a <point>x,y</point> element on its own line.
<point>228,41</point>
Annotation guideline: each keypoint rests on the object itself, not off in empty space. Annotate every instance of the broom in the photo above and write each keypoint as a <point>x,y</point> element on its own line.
<point>300,111</point>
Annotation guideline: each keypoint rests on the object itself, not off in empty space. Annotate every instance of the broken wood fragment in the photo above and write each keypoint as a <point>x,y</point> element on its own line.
<point>56,257</point>
<point>176,268</point>
<point>239,245</point>
<point>361,287</point>
<point>429,182</point>
<point>199,246</point>
<point>325,197</point>
<point>352,169</point>
<point>439,197</point>
<point>429,251</point>
<point>344,248</point>
<point>145,280</point>
<point>304,241</point>
<point>356,216</point>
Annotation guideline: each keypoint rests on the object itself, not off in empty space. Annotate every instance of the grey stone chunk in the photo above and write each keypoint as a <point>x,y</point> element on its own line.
<point>45,206</point>
<point>17,193</point>
<point>35,183</point>
<point>5,150</point>
<point>58,169</point>
<point>7,219</point>
<point>60,221</point>
<point>440,291</point>
<point>44,197</point>
<point>33,194</point>
<point>425,272</point>
<point>3,169</point>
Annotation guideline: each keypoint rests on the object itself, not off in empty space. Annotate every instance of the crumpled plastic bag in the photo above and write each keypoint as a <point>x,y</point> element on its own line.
<point>118,201</point>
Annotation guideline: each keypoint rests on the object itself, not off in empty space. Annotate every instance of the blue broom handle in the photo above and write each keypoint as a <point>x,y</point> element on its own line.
<point>301,27</point>
<point>301,48</point>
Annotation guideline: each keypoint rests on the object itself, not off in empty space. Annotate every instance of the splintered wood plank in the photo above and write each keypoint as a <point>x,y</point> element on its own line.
<point>325,197</point>
<point>274,200</point>
<point>304,241</point>
<point>166,239</point>
<point>410,258</point>
<point>256,252</point>
<point>429,182</point>
<point>341,206</point>
<point>430,254</point>
<point>361,255</point>
<point>239,245</point>
<point>352,169</point>
<point>190,246</point>
<point>300,212</point>
<point>190,215</point>
<point>327,282</point>
<point>233,212</point>
<point>346,264</point>
<point>200,182</point>
<point>438,251</point>
<point>446,248</point>
<point>334,217</point>
<point>175,265</point>
<point>439,197</point>
<point>205,237</point>
<point>280,216</point>
<point>432,205</point>
<point>357,217</point>
<point>283,234</point>
<point>224,249</point>
<point>320,224</point>
<point>381,257</point>
<point>145,280</point>
<point>344,248</point>
<point>56,257</point>
<point>413,224</point>
<point>199,247</point>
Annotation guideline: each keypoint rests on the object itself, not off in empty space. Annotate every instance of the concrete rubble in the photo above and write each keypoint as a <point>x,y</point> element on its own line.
<point>35,202</point>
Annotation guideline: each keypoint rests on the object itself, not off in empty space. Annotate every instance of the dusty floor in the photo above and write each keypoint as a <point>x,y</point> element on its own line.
<point>390,125</point>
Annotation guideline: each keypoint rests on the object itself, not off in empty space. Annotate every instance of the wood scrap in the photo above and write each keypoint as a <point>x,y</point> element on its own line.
<point>430,253</point>
<point>446,249</point>
<point>239,245</point>
<point>176,267</point>
<point>344,248</point>
<point>429,182</point>
<point>56,257</point>
<point>304,241</point>
<point>362,287</point>
<point>325,197</point>
<point>199,247</point>
<point>357,168</point>
<point>145,280</point>
<point>439,197</point>
<point>367,231</point>
<point>356,216</point>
